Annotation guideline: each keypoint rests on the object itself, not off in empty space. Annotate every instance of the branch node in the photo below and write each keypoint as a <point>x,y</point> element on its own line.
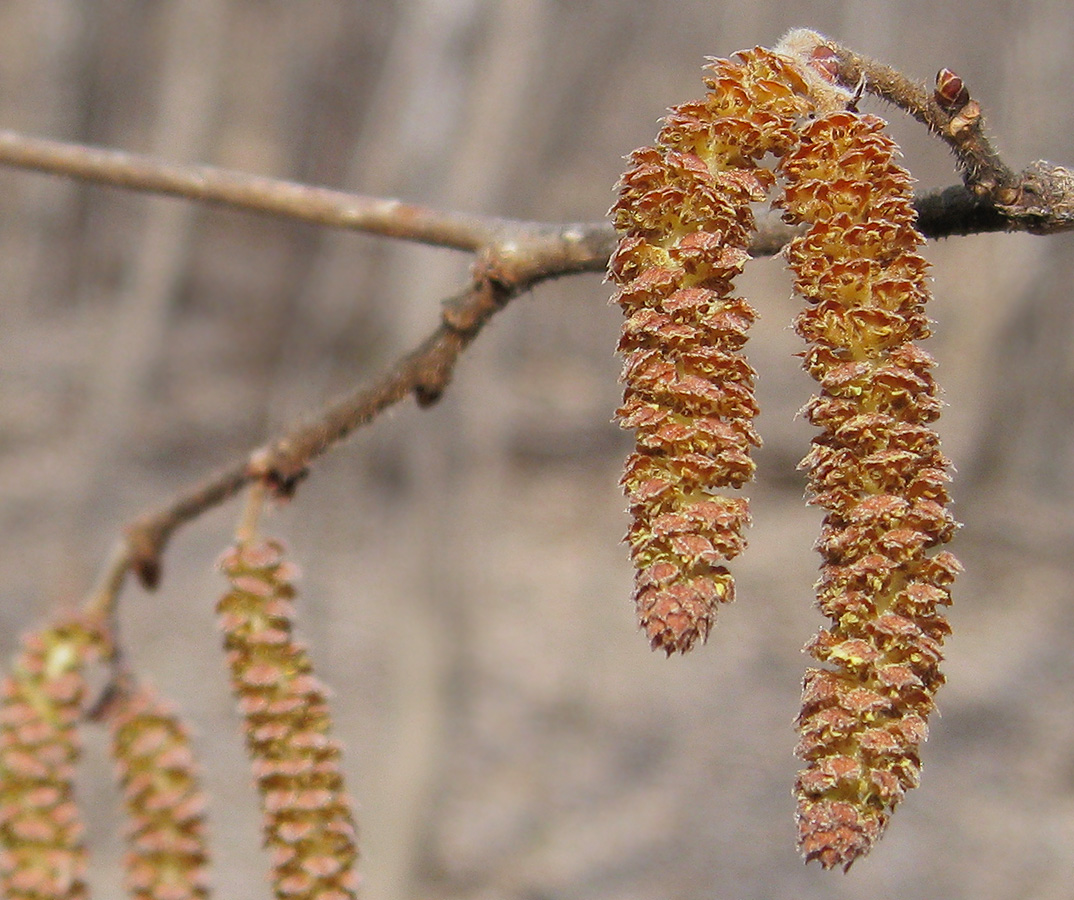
<point>432,369</point>
<point>498,273</point>
<point>465,313</point>
<point>144,543</point>
<point>1041,201</point>
<point>278,468</point>
<point>426,395</point>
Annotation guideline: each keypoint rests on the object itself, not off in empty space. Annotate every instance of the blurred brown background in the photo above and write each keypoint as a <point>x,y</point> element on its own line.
<point>466,595</point>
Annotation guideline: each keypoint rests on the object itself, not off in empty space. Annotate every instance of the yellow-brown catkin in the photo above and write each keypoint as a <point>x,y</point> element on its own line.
<point>877,471</point>
<point>42,855</point>
<point>685,222</point>
<point>309,830</point>
<point>167,854</point>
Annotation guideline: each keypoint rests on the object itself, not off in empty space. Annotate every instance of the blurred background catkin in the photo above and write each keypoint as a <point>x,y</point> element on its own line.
<point>510,735</point>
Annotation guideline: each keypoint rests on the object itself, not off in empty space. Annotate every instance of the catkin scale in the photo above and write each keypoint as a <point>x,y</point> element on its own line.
<point>878,472</point>
<point>685,218</point>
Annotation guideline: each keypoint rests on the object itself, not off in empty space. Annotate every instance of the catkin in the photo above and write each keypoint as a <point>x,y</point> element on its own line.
<point>308,827</point>
<point>877,471</point>
<point>42,855</point>
<point>685,219</point>
<point>167,855</point>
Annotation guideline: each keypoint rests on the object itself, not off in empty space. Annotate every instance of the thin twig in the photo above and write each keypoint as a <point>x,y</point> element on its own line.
<point>147,535</point>
<point>253,193</point>
<point>1040,199</point>
<point>955,210</point>
<point>951,115</point>
<point>501,273</point>
<point>942,213</point>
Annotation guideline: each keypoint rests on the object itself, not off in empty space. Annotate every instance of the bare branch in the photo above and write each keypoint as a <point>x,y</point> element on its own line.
<point>950,212</point>
<point>252,193</point>
<point>502,272</point>
<point>1040,199</point>
<point>147,536</point>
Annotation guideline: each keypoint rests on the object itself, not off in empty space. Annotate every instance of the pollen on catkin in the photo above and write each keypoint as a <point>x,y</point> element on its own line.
<point>308,827</point>
<point>685,219</point>
<point>42,855</point>
<point>167,855</point>
<point>877,471</point>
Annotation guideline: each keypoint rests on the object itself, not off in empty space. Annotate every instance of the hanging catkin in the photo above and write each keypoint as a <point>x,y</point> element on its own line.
<point>308,827</point>
<point>877,471</point>
<point>686,223</point>
<point>42,854</point>
<point>167,853</point>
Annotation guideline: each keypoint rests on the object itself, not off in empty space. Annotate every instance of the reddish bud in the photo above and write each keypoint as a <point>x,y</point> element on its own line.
<point>950,92</point>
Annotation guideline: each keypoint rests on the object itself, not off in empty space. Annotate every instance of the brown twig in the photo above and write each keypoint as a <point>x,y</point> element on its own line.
<point>253,193</point>
<point>948,112</point>
<point>941,214</point>
<point>503,271</point>
<point>1040,199</point>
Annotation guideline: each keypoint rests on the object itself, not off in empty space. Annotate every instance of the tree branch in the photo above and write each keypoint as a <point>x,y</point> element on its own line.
<point>952,211</point>
<point>502,272</point>
<point>512,256</point>
<point>1040,199</point>
<point>252,193</point>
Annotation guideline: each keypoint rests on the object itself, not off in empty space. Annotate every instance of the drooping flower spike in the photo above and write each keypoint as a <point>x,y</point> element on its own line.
<point>42,853</point>
<point>308,825</point>
<point>167,853</point>
<point>684,213</point>
<point>877,471</point>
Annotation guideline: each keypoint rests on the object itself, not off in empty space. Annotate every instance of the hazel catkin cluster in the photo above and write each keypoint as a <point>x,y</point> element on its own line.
<point>876,468</point>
